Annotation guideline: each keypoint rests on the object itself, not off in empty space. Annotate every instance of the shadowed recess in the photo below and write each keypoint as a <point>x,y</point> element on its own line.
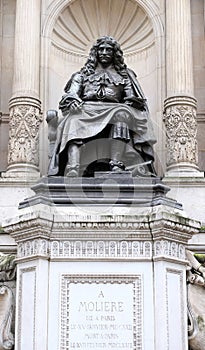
<point>79,24</point>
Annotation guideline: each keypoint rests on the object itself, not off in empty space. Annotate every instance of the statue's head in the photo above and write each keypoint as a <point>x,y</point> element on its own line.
<point>113,51</point>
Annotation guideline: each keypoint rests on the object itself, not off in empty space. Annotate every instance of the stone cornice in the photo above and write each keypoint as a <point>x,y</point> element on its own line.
<point>51,224</point>
<point>149,234</point>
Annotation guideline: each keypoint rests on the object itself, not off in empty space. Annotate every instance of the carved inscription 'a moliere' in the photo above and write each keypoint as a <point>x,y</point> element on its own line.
<point>101,315</point>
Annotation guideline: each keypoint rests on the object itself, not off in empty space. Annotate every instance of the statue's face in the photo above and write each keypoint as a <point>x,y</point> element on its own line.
<point>105,53</point>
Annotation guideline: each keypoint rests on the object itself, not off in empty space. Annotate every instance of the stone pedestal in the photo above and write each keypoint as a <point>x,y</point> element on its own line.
<point>93,278</point>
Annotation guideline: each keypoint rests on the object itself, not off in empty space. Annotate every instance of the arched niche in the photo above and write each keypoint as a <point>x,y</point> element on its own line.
<point>72,27</point>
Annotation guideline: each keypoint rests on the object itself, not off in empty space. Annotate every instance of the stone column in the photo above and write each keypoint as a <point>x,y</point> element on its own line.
<point>180,104</point>
<point>25,115</point>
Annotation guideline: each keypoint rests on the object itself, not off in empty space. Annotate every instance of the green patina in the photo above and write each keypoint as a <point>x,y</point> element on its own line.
<point>200,257</point>
<point>7,262</point>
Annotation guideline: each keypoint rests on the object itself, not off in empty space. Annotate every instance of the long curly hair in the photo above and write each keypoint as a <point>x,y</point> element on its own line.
<point>118,59</point>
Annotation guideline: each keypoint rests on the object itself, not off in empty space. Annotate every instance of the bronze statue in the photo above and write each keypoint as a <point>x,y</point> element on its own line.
<point>103,101</point>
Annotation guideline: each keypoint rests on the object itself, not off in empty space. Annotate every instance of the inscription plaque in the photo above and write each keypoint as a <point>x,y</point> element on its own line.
<point>101,314</point>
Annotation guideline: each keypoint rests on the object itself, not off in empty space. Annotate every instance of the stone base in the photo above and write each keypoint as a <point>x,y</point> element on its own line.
<point>115,281</point>
<point>105,188</point>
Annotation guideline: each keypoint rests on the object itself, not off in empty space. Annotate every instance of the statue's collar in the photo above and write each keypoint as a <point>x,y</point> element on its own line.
<point>107,74</point>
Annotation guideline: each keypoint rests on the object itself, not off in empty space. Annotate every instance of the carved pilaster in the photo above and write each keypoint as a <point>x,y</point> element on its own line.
<point>181,130</point>
<point>23,148</point>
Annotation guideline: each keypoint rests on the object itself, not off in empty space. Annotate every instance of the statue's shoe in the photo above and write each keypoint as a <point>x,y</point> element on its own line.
<point>116,165</point>
<point>71,171</point>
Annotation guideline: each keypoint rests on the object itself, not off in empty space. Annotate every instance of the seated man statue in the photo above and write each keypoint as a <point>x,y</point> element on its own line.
<point>103,101</point>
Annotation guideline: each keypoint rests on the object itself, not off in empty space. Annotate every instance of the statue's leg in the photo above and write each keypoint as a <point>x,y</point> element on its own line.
<point>72,167</point>
<point>119,135</point>
<point>117,150</point>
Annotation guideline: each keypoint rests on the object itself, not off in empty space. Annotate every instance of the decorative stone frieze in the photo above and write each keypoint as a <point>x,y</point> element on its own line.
<point>165,248</point>
<point>101,249</point>
<point>134,250</point>
<point>23,147</point>
<point>36,247</point>
<point>120,249</point>
<point>181,129</point>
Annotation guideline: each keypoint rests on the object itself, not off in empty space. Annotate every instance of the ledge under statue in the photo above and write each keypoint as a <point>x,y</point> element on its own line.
<point>105,122</point>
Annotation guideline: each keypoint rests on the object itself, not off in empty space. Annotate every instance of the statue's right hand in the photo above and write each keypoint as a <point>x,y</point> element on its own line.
<point>75,105</point>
